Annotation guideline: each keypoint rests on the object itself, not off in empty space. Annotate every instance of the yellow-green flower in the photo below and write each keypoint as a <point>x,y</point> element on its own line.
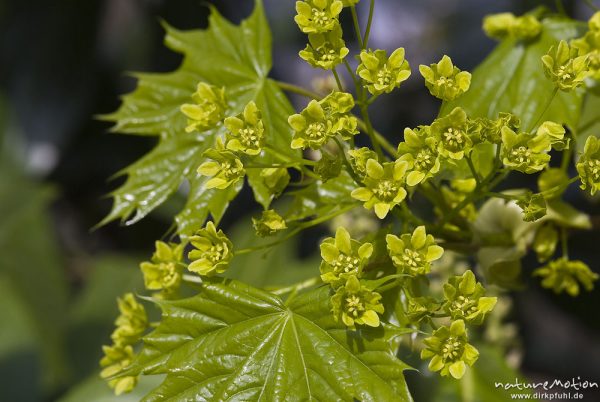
<point>556,135</point>
<point>315,16</point>
<point>225,168</point>
<point>588,165</point>
<point>383,186</point>
<point>589,47</point>
<point>322,120</point>
<point>489,130</point>
<point>524,152</point>
<point>564,67</point>
<point>594,22</point>
<point>212,251</point>
<point>325,50</point>
<point>116,358</point>
<point>358,159</point>
<point>355,304</point>
<point>465,299</point>
<point>275,180</point>
<point>419,149</point>
<point>207,110</point>
<point>131,323</point>
<point>449,350</point>
<point>246,131</point>
<point>566,275</point>
<point>533,206</point>
<point>380,73</point>
<point>444,80</point>
<point>269,223</point>
<point>451,133</point>
<point>343,257</point>
<point>413,254</point>
<point>163,271</point>
<point>507,25</point>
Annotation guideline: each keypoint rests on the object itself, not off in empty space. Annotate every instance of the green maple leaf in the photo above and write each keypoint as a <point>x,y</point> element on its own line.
<point>235,57</point>
<point>511,79</point>
<point>238,343</point>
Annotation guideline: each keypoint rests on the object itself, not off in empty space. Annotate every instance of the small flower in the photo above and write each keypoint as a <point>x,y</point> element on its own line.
<point>131,323</point>
<point>358,159</point>
<point>380,73</point>
<point>116,358</point>
<point>163,271</point>
<point>383,186</point>
<point>556,135</point>
<point>315,16</point>
<point>507,25</point>
<point>419,149</point>
<point>490,130</point>
<point>563,67</point>
<point>544,244</point>
<point>589,47</point>
<point>329,166</point>
<point>412,254</point>
<point>449,350</point>
<point>325,50</point>
<point>563,275</point>
<point>322,120</point>
<point>275,180</point>
<point>355,304</point>
<point>465,300</point>
<point>269,223</point>
<point>444,80</point>
<point>208,109</point>
<point>533,206</point>
<point>524,152</point>
<point>212,251</point>
<point>343,257</point>
<point>588,165</point>
<point>246,131</point>
<point>226,168</point>
<point>451,133</point>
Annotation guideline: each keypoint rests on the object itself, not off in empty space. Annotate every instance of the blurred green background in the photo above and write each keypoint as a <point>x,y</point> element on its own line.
<point>64,61</point>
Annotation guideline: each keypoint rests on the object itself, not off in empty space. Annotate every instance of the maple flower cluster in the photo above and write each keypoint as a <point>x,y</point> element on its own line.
<point>130,326</point>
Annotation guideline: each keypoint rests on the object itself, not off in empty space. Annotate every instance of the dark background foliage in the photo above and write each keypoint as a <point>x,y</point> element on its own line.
<point>64,61</point>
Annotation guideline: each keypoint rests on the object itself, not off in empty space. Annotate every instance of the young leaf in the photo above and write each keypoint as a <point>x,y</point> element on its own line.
<point>511,79</point>
<point>236,342</point>
<point>237,58</point>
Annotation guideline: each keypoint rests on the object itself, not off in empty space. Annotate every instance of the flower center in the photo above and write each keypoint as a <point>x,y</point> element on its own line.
<point>249,137</point>
<point>354,306</point>
<point>412,258</point>
<point>316,131</point>
<point>346,264</point>
<point>454,138</point>
<point>563,73</point>
<point>444,82</point>
<point>521,155</point>
<point>593,167</point>
<point>465,305</point>
<point>452,349</point>
<point>384,77</point>
<point>230,170</point>
<point>320,18</point>
<point>327,53</point>
<point>216,253</point>
<point>424,160</point>
<point>386,190</point>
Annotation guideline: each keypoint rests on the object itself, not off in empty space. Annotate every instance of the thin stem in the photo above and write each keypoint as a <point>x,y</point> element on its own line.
<point>564,243</point>
<point>473,171</point>
<point>351,73</point>
<point>347,162</point>
<point>286,86</point>
<point>356,26</point>
<point>370,131</point>
<point>337,79</point>
<point>369,22</point>
<point>554,92</point>
<point>297,230</point>
<point>380,138</point>
<point>297,286</point>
